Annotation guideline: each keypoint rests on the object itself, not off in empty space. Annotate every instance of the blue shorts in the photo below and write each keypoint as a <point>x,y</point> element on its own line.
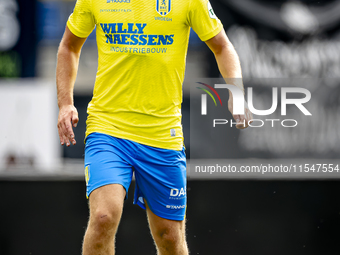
<point>160,174</point>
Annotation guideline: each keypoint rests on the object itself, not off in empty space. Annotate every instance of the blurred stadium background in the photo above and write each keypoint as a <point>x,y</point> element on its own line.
<point>43,209</point>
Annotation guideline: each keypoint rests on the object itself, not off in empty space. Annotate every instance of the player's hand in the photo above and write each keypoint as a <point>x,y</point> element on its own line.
<point>242,120</point>
<point>68,118</point>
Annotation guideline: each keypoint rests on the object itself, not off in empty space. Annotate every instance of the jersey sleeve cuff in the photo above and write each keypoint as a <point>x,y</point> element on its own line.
<point>212,33</point>
<point>75,31</point>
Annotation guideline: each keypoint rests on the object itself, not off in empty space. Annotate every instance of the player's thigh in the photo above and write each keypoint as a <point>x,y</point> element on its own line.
<point>106,203</point>
<point>161,182</point>
<point>105,163</point>
<point>108,176</point>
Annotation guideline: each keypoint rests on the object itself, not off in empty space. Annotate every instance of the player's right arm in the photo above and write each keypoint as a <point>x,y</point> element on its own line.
<point>79,26</point>
<point>67,67</point>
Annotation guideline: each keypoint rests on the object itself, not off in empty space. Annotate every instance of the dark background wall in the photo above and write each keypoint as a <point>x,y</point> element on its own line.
<point>223,217</point>
<point>19,37</point>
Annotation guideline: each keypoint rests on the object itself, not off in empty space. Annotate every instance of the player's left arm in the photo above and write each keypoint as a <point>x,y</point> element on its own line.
<point>230,68</point>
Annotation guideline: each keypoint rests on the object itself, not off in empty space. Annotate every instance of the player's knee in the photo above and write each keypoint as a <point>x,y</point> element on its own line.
<point>105,220</point>
<point>169,237</point>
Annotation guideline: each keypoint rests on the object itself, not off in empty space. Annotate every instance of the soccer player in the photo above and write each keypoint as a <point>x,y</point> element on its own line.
<point>134,117</point>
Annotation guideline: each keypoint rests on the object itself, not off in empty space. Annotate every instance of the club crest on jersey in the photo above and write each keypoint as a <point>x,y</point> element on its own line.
<point>163,7</point>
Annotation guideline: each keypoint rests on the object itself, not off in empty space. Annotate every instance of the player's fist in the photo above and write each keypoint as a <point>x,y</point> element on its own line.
<point>242,121</point>
<point>68,117</point>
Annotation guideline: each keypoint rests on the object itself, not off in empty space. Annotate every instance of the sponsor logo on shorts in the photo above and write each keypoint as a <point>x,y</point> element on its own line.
<point>87,174</point>
<point>141,200</point>
<point>178,193</point>
<point>176,207</point>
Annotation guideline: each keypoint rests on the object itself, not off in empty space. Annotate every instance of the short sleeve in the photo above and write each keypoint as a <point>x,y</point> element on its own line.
<point>81,21</point>
<point>202,19</point>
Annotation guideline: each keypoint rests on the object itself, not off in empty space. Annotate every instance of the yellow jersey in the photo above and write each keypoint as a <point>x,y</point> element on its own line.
<point>142,47</point>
